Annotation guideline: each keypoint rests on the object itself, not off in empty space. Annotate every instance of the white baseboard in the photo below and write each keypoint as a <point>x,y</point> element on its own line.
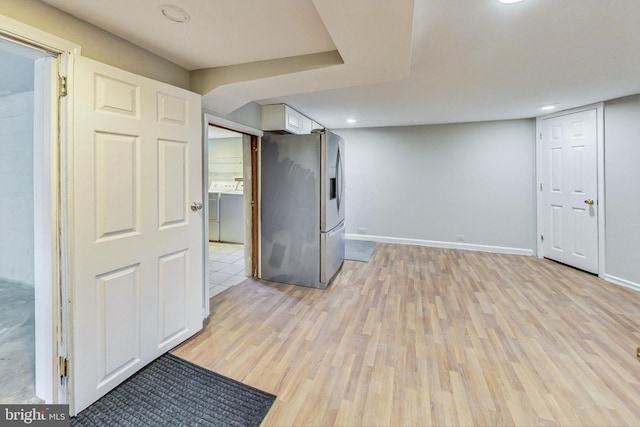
<point>444,245</point>
<point>621,282</point>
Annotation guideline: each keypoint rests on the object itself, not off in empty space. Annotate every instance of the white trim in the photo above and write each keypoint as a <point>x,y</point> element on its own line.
<point>599,107</point>
<point>45,192</point>
<point>601,192</point>
<point>444,245</point>
<point>622,282</point>
<point>36,37</point>
<point>210,119</point>
<point>219,121</point>
<point>205,216</point>
<point>65,210</point>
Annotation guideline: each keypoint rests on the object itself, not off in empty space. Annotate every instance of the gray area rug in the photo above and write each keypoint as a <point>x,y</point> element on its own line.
<point>173,392</point>
<point>358,250</point>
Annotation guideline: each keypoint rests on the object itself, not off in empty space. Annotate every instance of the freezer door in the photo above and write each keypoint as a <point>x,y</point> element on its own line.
<point>331,253</point>
<point>332,182</point>
<point>290,212</point>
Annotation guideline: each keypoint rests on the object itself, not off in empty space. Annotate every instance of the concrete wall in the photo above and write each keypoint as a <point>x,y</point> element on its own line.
<point>16,191</point>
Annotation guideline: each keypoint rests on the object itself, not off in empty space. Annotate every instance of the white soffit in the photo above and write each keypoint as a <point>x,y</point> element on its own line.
<point>373,37</point>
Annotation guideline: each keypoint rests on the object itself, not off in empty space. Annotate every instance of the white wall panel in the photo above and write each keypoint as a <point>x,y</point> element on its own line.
<point>556,169</point>
<point>118,321</point>
<point>172,110</point>
<point>172,183</point>
<point>556,228</point>
<point>172,279</point>
<point>579,185</point>
<point>578,224</point>
<point>117,163</point>
<point>117,97</point>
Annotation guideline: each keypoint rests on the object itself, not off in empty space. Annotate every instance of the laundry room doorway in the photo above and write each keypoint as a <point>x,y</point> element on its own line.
<point>231,153</point>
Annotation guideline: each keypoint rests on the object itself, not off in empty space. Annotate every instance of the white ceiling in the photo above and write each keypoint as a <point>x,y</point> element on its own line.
<point>405,62</point>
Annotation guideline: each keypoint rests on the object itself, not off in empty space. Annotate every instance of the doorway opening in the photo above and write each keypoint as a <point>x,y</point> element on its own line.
<point>570,187</point>
<point>226,216</point>
<point>231,153</point>
<point>26,270</point>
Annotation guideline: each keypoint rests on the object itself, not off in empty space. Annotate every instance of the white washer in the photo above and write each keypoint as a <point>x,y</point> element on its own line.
<point>221,186</point>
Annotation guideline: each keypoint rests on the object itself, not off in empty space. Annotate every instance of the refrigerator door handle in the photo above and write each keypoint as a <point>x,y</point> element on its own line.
<point>339,179</point>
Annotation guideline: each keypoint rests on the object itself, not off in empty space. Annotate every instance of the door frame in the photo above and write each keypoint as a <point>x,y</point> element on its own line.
<point>599,107</point>
<point>51,342</point>
<point>251,251</point>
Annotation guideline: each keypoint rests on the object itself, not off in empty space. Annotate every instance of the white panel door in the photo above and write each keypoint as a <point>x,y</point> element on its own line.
<point>569,188</point>
<point>137,245</point>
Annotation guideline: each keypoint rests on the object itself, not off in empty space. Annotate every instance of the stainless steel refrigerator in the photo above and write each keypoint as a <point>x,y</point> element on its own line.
<point>303,195</point>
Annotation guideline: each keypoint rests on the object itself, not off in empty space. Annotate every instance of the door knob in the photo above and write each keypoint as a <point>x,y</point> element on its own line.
<point>589,201</point>
<point>196,206</point>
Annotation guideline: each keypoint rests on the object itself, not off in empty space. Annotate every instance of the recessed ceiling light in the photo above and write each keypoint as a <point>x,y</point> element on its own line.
<point>174,13</point>
<point>509,1</point>
<point>548,107</point>
<point>352,121</point>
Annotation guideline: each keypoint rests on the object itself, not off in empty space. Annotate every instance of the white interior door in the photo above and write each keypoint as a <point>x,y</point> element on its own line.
<point>137,245</point>
<point>569,189</point>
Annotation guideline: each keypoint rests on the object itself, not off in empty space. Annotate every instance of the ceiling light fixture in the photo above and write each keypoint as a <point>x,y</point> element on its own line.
<point>548,107</point>
<point>509,1</point>
<point>174,13</point>
<point>352,121</point>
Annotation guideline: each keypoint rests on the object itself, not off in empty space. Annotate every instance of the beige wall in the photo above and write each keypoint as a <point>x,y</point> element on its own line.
<point>96,43</point>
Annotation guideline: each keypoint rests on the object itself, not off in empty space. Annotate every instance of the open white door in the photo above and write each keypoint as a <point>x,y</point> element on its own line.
<point>136,243</point>
<point>569,189</point>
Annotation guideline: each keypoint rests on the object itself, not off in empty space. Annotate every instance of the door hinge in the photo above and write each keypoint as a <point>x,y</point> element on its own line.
<point>540,186</point>
<point>541,238</point>
<point>253,204</point>
<point>63,367</point>
<point>62,86</point>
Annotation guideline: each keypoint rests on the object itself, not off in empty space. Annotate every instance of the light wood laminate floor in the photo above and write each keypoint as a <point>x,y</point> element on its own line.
<point>425,336</point>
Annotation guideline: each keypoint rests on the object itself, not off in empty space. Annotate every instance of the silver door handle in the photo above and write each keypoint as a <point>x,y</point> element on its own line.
<point>196,206</point>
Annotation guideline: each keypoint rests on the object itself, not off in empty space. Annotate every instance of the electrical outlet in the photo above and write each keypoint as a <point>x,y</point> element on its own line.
<point>459,237</point>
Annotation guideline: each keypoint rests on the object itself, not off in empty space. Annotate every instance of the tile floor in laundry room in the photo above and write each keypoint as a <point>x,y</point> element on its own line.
<point>226,266</point>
